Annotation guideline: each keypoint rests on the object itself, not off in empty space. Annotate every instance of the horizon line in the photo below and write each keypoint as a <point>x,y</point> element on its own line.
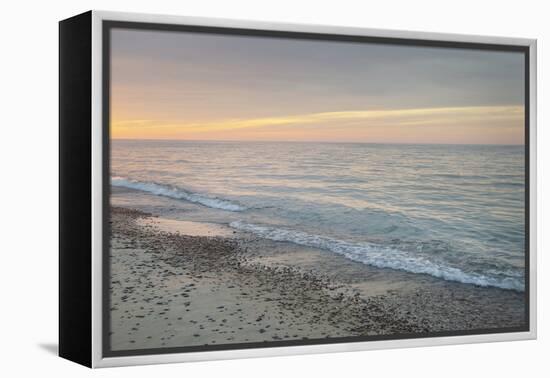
<point>312,141</point>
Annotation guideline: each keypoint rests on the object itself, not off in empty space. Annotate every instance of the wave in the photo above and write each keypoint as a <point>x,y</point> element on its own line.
<point>177,193</point>
<point>384,257</point>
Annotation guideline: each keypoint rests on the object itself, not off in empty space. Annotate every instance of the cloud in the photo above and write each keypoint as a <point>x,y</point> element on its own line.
<point>395,117</point>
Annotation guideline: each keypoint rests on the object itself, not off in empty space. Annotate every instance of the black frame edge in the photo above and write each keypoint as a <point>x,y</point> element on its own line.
<point>75,194</point>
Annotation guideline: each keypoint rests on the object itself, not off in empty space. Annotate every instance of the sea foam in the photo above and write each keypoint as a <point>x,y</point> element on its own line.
<point>177,193</point>
<point>383,257</point>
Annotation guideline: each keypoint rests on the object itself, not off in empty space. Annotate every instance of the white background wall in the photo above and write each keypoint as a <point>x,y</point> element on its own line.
<point>28,148</point>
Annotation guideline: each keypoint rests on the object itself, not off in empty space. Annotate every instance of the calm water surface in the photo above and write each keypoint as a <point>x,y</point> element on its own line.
<point>454,212</point>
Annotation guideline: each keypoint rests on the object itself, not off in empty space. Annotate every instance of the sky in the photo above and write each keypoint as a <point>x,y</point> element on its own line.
<point>193,86</point>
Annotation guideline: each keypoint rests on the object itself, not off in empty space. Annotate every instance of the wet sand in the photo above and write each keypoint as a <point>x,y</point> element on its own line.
<point>180,283</point>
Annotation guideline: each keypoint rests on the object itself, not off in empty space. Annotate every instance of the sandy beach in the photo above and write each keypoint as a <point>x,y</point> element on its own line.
<point>181,283</point>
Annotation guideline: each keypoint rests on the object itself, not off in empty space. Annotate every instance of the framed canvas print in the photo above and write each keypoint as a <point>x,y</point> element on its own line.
<point>235,189</point>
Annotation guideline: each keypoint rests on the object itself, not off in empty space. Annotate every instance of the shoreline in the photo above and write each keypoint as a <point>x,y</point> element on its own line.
<point>169,289</point>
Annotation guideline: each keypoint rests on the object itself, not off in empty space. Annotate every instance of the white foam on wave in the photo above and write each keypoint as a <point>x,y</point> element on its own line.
<point>176,193</point>
<point>381,257</point>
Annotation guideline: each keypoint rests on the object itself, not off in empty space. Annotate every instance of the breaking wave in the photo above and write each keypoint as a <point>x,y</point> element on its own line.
<point>177,193</point>
<point>385,257</point>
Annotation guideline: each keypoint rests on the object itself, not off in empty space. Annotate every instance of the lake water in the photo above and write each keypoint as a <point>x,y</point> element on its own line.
<point>451,211</point>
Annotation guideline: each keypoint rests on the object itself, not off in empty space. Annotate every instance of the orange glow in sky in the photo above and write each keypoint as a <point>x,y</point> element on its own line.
<point>500,124</point>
